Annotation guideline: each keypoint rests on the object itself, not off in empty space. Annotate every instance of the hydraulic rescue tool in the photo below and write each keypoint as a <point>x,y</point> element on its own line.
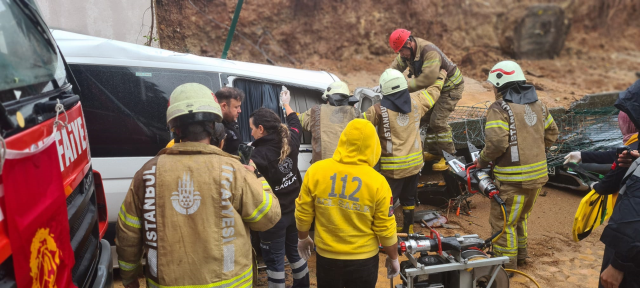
<point>457,261</point>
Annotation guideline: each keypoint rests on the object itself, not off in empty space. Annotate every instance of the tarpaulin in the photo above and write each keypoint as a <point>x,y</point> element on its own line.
<point>36,215</point>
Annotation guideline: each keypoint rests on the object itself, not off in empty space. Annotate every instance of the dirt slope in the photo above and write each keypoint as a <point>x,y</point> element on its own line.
<point>349,38</point>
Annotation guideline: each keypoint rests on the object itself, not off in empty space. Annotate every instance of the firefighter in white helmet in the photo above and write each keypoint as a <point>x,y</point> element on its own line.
<point>518,129</point>
<point>397,118</point>
<point>327,121</point>
<point>190,208</point>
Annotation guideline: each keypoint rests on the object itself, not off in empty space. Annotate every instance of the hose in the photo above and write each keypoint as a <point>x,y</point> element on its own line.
<point>504,227</point>
<point>523,274</point>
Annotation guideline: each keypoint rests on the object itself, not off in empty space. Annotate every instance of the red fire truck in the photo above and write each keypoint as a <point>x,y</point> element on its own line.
<point>34,78</point>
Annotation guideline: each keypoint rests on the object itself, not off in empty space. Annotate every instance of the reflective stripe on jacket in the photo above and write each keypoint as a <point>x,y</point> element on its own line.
<point>400,133</point>
<point>189,210</point>
<point>516,136</point>
<point>431,60</point>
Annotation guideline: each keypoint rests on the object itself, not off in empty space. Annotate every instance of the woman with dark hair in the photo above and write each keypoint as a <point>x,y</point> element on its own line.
<point>276,157</point>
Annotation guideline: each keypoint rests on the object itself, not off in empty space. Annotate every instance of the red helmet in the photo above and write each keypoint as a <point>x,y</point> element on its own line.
<point>398,38</point>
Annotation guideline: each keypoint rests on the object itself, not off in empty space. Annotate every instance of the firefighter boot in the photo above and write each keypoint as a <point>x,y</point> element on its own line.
<point>440,165</point>
<point>428,157</point>
<point>407,223</point>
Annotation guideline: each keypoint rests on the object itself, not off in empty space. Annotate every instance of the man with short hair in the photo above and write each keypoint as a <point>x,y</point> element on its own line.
<point>189,209</point>
<point>230,100</point>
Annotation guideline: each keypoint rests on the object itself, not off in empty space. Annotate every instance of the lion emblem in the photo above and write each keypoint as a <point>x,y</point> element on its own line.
<point>44,261</point>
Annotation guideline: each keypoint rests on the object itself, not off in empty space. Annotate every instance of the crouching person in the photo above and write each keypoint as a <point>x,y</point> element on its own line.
<point>353,210</point>
<point>189,209</point>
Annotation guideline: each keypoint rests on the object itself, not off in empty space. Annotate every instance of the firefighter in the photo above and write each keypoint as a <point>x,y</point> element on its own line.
<point>190,208</point>
<point>326,121</point>
<point>366,212</point>
<point>425,60</point>
<point>518,129</point>
<point>397,118</point>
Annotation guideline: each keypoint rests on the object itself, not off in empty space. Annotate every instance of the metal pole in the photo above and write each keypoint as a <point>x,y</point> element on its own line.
<point>232,29</point>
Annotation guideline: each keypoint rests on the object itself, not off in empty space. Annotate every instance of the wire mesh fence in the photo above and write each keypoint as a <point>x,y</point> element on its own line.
<point>584,130</point>
<point>580,130</point>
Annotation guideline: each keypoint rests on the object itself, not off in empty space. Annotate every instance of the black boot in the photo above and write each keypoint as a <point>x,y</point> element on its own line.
<point>407,223</point>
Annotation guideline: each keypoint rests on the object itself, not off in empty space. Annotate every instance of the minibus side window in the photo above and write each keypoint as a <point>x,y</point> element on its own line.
<point>125,107</point>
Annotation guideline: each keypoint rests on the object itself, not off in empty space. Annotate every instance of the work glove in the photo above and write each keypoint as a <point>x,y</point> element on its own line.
<point>575,157</point>
<point>592,184</point>
<point>304,248</point>
<point>285,97</point>
<point>393,267</point>
<point>376,89</point>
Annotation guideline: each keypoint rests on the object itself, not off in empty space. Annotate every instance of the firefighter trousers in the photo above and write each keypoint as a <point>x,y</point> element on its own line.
<point>439,133</point>
<point>519,202</point>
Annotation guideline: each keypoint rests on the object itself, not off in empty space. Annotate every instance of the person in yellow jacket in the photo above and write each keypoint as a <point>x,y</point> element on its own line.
<point>189,209</point>
<point>397,118</point>
<point>424,60</point>
<point>518,129</point>
<point>352,207</point>
<point>326,121</point>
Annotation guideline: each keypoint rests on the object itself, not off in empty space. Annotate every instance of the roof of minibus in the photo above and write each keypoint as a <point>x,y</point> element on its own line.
<point>83,49</point>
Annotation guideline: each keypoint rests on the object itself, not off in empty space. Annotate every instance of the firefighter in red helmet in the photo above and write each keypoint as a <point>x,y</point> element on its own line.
<point>425,60</point>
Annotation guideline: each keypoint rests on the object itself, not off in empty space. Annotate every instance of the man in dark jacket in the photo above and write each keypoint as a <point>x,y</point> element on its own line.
<point>621,260</point>
<point>230,100</point>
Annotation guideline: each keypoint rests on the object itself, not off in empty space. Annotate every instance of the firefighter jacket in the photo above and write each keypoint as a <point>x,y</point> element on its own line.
<point>400,133</point>
<point>426,66</point>
<point>326,122</point>
<point>189,210</point>
<point>516,136</point>
<point>350,202</point>
<point>283,177</point>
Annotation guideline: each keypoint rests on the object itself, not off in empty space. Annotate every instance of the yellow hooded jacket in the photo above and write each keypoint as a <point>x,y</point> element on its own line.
<point>350,201</point>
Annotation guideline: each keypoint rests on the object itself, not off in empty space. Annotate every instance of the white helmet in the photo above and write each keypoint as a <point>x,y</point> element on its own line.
<point>505,72</point>
<point>392,81</point>
<point>338,87</point>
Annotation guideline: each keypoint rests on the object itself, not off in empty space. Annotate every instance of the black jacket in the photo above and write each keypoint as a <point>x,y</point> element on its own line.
<point>611,183</point>
<point>284,178</point>
<point>622,234</point>
<point>232,141</point>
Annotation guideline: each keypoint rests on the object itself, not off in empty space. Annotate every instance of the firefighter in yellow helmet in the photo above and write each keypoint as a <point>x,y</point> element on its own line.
<point>397,118</point>
<point>425,60</point>
<point>327,121</point>
<point>190,208</point>
<point>518,129</point>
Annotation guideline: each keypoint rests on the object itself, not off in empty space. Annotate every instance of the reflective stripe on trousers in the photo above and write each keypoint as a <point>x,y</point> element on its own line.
<point>241,281</point>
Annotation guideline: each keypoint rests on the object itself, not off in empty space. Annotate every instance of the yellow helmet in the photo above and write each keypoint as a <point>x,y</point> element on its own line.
<point>392,81</point>
<point>192,102</point>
